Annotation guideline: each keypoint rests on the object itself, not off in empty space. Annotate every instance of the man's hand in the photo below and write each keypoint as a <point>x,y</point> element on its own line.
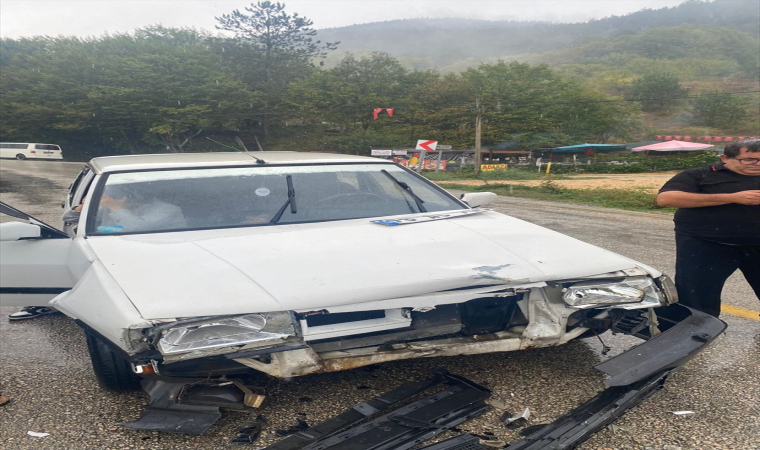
<point>680,199</point>
<point>747,197</point>
<point>112,204</point>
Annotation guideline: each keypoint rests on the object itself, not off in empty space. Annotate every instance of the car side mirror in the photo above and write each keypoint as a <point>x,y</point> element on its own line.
<point>478,199</point>
<point>15,231</point>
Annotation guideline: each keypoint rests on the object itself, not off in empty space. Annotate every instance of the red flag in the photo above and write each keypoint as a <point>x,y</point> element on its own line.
<point>390,112</point>
<point>375,112</point>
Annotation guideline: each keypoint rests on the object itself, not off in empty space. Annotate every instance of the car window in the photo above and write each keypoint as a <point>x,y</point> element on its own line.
<point>75,185</point>
<point>140,202</point>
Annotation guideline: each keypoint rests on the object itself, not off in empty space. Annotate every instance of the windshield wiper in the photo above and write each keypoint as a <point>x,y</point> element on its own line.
<point>291,201</point>
<point>407,189</point>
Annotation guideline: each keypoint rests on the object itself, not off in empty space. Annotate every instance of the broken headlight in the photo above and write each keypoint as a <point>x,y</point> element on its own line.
<point>250,329</point>
<point>630,293</point>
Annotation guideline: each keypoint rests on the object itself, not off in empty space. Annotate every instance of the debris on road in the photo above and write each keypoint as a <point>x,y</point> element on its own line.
<point>300,425</point>
<point>516,421</point>
<point>36,434</point>
<point>396,424</point>
<point>250,432</point>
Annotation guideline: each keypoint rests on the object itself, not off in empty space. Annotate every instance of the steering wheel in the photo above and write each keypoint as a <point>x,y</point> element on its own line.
<point>353,197</point>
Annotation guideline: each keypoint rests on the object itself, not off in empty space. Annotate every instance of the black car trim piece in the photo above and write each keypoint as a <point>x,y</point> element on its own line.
<point>666,350</point>
<point>32,290</point>
<point>163,413</point>
<point>578,425</point>
<point>402,426</point>
<point>464,441</point>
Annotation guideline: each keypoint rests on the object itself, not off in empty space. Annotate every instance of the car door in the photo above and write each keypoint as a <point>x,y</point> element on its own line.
<point>34,261</point>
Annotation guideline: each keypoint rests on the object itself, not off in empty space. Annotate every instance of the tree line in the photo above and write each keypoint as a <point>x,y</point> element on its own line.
<point>165,89</point>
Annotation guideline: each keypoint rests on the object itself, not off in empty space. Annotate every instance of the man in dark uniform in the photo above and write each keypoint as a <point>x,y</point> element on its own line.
<point>717,225</point>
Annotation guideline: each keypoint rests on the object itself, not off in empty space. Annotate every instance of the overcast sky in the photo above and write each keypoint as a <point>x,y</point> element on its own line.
<point>95,17</point>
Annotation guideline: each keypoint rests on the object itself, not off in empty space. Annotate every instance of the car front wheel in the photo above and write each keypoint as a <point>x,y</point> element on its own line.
<point>113,372</point>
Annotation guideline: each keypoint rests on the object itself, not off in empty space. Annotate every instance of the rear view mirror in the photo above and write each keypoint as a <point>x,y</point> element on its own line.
<point>14,231</point>
<point>478,199</point>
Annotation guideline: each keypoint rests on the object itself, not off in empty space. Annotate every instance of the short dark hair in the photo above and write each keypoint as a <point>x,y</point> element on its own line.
<point>732,150</point>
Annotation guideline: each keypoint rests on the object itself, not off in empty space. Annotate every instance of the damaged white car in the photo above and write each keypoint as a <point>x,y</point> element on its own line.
<point>209,266</point>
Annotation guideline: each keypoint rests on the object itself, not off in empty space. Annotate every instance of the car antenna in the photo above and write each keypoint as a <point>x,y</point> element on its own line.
<point>240,141</point>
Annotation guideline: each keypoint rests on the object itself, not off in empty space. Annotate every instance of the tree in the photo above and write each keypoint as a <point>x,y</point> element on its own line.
<point>657,92</point>
<point>283,44</point>
<point>720,109</point>
<point>120,93</point>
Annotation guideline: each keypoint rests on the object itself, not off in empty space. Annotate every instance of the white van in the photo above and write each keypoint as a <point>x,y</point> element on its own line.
<point>25,150</point>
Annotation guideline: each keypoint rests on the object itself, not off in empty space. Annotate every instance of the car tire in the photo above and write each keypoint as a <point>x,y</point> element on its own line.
<point>21,157</point>
<point>113,372</point>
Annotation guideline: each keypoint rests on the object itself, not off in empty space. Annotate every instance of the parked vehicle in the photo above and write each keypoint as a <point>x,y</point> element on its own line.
<point>25,150</point>
<point>204,265</point>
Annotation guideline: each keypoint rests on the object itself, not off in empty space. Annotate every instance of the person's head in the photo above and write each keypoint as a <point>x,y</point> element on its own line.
<point>743,157</point>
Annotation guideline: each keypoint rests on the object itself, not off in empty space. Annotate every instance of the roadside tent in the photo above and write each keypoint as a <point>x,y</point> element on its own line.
<point>673,146</point>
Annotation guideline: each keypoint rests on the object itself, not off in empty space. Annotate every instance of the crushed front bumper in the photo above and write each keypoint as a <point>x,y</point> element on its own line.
<point>634,376</point>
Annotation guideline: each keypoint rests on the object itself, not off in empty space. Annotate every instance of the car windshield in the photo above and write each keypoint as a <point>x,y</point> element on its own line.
<point>173,200</point>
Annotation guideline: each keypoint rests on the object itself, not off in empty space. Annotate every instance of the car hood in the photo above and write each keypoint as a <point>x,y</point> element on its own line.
<point>311,266</point>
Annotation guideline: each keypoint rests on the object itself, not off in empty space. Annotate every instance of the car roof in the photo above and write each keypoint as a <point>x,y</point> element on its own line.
<point>189,160</point>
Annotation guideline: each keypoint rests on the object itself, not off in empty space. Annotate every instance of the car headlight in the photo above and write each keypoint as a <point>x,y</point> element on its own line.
<point>630,293</point>
<point>232,331</point>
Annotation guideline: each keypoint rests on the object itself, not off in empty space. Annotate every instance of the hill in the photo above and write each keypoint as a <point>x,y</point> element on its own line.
<point>450,44</point>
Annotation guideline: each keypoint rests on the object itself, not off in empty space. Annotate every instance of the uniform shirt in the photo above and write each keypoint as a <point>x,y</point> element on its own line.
<point>728,224</point>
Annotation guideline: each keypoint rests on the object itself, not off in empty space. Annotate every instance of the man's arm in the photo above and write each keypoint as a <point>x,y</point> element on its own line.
<point>680,199</point>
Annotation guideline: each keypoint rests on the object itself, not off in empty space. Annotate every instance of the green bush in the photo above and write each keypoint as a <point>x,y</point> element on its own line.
<point>640,164</point>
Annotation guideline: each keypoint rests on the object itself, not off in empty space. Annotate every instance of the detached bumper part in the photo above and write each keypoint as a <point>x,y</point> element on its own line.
<point>635,375</point>
<point>692,331</point>
<point>191,405</point>
<point>400,428</point>
<point>577,426</point>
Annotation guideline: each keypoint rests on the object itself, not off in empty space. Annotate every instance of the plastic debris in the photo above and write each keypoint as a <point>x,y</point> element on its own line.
<point>36,434</point>
<point>518,420</point>
<point>250,432</point>
<point>493,443</point>
<point>300,425</point>
<point>682,413</point>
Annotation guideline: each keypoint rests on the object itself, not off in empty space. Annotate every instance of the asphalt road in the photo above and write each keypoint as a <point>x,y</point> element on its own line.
<point>44,366</point>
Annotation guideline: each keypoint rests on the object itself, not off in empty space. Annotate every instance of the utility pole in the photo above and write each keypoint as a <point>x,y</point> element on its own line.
<point>477,134</point>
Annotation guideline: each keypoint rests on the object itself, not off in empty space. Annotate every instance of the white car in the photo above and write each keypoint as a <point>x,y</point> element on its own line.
<point>26,150</point>
<point>219,264</point>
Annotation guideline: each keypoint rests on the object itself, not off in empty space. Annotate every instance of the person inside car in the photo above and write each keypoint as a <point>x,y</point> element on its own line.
<point>125,209</point>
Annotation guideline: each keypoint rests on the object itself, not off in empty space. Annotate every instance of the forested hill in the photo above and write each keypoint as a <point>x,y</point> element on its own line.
<point>446,43</point>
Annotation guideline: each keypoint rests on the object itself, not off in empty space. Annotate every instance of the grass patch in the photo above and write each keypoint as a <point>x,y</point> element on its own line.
<point>629,199</point>
<point>466,173</point>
